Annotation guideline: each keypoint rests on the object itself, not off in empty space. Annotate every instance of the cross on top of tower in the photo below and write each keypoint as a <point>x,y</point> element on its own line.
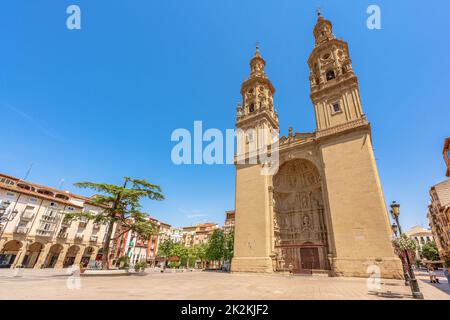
<point>318,12</point>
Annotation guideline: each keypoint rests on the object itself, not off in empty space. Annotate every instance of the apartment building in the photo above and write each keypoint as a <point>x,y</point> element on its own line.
<point>198,234</point>
<point>229,221</point>
<point>421,236</point>
<point>439,217</point>
<point>34,232</point>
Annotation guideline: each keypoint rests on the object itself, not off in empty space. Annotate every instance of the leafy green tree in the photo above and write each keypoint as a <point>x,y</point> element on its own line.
<point>122,206</point>
<point>229,246</point>
<point>165,248</point>
<point>198,252</point>
<point>430,251</point>
<point>216,246</point>
<point>178,250</point>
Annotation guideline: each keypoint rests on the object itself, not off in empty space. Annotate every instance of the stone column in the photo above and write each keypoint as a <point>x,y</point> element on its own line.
<point>2,243</point>
<point>20,255</point>
<point>94,254</point>
<point>59,263</point>
<point>42,256</point>
<point>79,256</point>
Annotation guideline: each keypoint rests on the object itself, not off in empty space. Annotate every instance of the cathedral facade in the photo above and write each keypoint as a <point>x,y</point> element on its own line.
<point>323,211</point>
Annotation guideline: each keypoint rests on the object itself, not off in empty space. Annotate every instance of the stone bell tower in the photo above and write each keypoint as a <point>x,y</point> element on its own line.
<point>358,214</point>
<point>258,122</point>
<point>256,117</point>
<point>334,86</point>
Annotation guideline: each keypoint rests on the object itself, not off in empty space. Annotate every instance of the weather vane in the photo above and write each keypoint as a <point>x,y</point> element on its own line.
<point>318,12</point>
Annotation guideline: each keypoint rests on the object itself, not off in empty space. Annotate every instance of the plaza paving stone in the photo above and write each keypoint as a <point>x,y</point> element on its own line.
<point>211,285</point>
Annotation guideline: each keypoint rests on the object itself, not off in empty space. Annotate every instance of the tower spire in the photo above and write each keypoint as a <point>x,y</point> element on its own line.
<point>257,64</point>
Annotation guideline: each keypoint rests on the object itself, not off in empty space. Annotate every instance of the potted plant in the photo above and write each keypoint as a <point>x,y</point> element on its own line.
<point>140,266</point>
<point>123,262</point>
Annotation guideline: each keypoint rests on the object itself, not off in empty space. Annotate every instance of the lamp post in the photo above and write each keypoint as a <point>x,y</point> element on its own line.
<point>405,272</point>
<point>395,212</point>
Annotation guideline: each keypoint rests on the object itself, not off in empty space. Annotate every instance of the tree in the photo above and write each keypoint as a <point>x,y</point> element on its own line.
<point>216,246</point>
<point>430,251</point>
<point>122,206</point>
<point>197,252</point>
<point>178,250</point>
<point>229,246</point>
<point>165,248</point>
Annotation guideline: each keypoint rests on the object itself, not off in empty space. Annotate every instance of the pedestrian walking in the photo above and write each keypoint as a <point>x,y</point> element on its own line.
<point>432,274</point>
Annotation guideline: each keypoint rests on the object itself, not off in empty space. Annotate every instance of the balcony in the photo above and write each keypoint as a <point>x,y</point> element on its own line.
<point>93,239</point>
<point>79,236</point>
<point>83,222</point>
<point>27,216</point>
<point>66,223</point>
<point>21,229</point>
<point>44,232</point>
<point>49,218</point>
<point>62,234</point>
<point>96,226</point>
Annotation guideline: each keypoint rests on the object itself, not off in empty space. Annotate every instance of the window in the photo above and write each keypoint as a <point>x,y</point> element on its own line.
<point>33,199</point>
<point>7,181</point>
<point>336,107</point>
<point>330,75</point>
<point>70,208</point>
<point>252,107</point>
<point>10,194</point>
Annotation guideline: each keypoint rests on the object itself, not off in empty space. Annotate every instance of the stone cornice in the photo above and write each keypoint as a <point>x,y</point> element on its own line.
<point>256,117</point>
<point>252,81</point>
<point>345,127</point>
<point>325,90</point>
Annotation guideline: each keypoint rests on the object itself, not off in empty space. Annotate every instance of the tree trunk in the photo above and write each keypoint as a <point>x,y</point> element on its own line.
<point>105,257</point>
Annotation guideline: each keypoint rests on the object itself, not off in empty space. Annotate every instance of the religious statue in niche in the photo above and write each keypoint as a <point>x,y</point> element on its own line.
<point>306,222</point>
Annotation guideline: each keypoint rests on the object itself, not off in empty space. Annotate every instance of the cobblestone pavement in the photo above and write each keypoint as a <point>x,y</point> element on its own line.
<point>210,285</point>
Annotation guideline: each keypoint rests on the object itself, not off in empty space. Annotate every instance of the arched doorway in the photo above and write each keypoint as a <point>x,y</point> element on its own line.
<point>33,252</point>
<point>299,218</point>
<point>87,253</point>
<point>53,255</point>
<point>70,256</point>
<point>9,253</point>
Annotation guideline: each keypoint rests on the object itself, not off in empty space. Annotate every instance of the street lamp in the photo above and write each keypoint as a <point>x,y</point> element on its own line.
<point>395,212</point>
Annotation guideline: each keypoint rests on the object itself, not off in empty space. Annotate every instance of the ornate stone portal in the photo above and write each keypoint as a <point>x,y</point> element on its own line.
<point>300,232</point>
<point>324,209</point>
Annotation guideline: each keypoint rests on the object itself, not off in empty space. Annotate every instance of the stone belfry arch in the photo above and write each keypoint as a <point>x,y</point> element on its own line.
<point>326,197</point>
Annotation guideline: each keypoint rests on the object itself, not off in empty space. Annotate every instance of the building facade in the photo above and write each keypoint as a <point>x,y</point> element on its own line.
<point>420,236</point>
<point>439,217</point>
<point>198,234</point>
<point>229,221</point>
<point>446,154</point>
<point>324,208</point>
<point>34,232</point>
<point>135,248</point>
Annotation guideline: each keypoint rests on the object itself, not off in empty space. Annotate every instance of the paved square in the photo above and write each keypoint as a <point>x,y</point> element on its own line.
<point>209,285</point>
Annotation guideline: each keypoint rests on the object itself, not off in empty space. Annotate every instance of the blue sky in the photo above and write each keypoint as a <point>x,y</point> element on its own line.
<point>101,103</point>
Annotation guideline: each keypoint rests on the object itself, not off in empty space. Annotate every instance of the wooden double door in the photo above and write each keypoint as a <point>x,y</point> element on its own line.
<point>302,260</point>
